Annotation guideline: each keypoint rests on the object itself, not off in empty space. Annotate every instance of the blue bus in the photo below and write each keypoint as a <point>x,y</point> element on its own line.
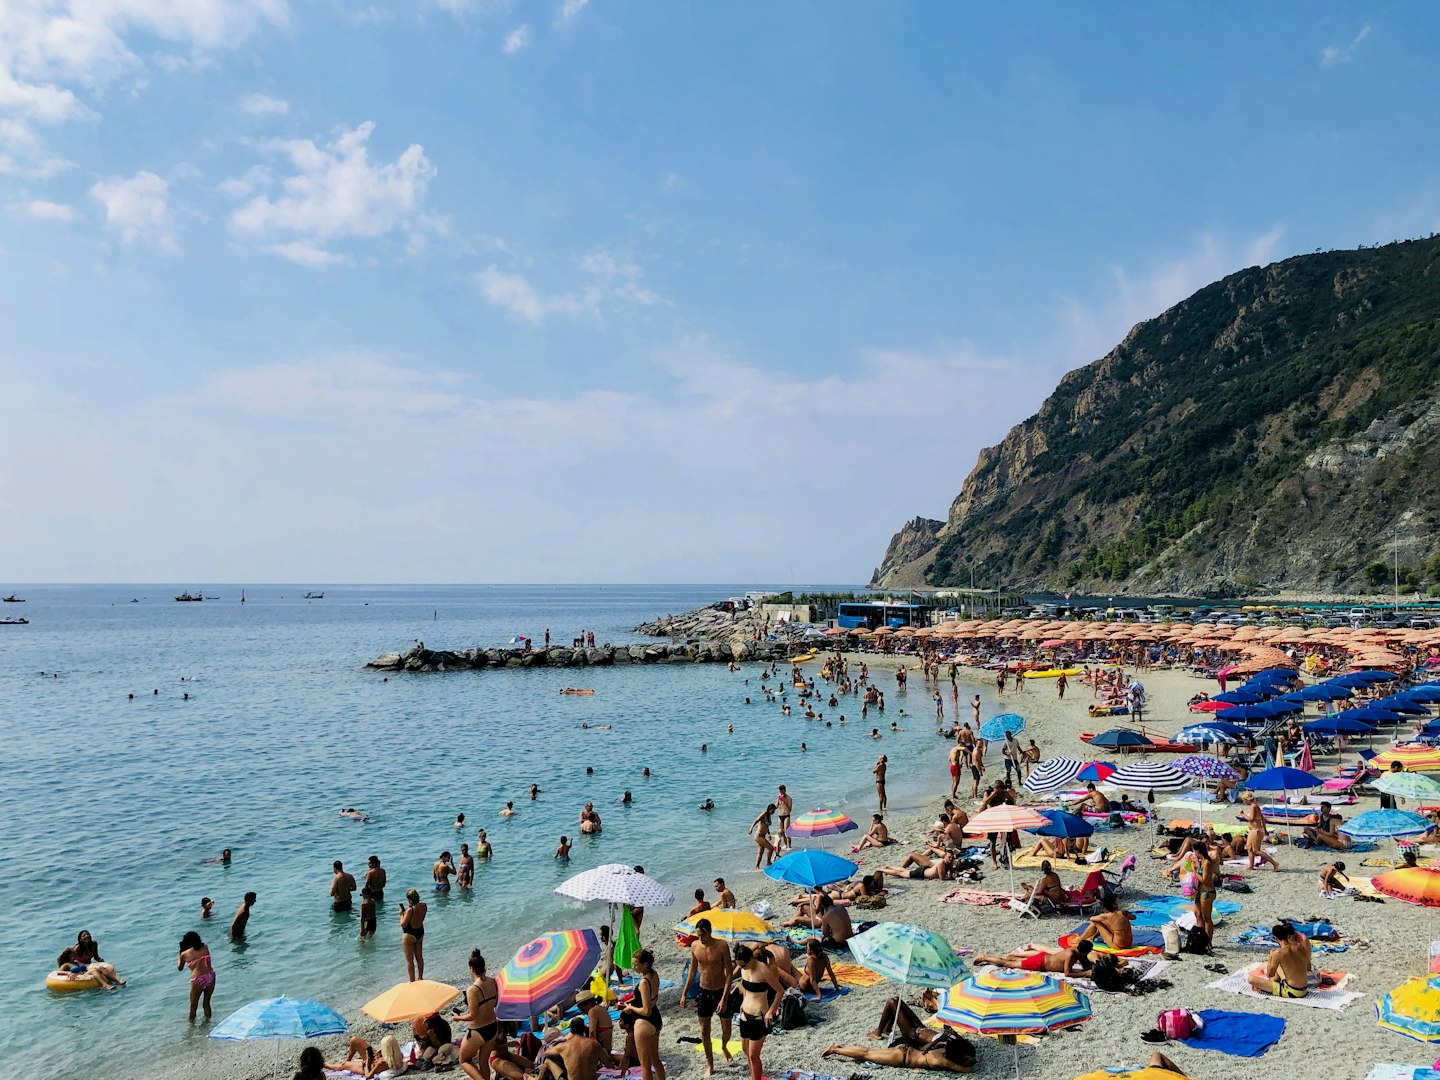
<point>873,613</point>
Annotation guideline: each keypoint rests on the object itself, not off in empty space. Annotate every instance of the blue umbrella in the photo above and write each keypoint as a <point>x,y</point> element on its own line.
<point>1338,725</point>
<point>1116,738</point>
<point>1372,714</point>
<point>997,727</point>
<point>1265,710</point>
<point>1399,703</point>
<point>1063,823</point>
<point>1276,673</point>
<point>1320,692</point>
<point>1425,694</point>
<point>1095,771</point>
<point>1360,680</point>
<point>280,1018</point>
<point>811,869</point>
<point>1283,778</point>
<point>1382,824</point>
<point>1240,697</point>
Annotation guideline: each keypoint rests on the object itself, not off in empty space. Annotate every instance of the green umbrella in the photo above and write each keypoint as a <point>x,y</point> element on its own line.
<point>1408,785</point>
<point>909,955</point>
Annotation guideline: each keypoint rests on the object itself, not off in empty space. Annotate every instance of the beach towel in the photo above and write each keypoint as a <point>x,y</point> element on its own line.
<point>1242,1034</point>
<point>806,1074</point>
<point>1157,910</point>
<point>1032,862</point>
<point>632,1073</point>
<point>855,975</point>
<point>1333,998</point>
<point>1145,970</point>
<point>1402,1072</point>
<point>734,1046</point>
<point>1147,942</point>
<point>974,897</point>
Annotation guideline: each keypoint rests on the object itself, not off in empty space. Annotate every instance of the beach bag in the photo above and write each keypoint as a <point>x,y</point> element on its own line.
<point>792,1011</point>
<point>1177,1023</point>
<point>873,903</point>
<point>1197,941</point>
<point>1171,933</point>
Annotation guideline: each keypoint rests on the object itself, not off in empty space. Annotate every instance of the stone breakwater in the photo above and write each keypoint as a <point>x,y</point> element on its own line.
<point>420,658</point>
<point>711,624</point>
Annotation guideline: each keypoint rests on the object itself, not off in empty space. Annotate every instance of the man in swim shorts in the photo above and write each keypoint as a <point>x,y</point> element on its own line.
<point>341,886</point>
<point>956,752</point>
<point>1287,971</point>
<point>1038,958</point>
<point>712,968</point>
<point>784,807</point>
<point>375,879</point>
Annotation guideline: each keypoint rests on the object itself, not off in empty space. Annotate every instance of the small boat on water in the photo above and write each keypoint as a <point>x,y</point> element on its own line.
<point>314,596</point>
<point>187,598</point>
<point>12,599</point>
<point>14,622</point>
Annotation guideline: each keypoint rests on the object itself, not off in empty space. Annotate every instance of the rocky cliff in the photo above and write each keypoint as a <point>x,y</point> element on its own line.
<point>1277,431</point>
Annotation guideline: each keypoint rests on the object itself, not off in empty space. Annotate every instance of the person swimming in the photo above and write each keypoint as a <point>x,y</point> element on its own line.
<point>460,821</point>
<point>354,814</point>
<point>708,804</point>
<point>562,853</point>
<point>627,799</point>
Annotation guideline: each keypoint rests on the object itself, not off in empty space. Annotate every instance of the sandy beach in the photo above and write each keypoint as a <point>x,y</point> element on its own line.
<point>1387,942</point>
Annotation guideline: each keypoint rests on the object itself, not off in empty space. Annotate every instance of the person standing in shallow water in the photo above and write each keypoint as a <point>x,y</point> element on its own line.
<point>341,886</point>
<point>242,917</point>
<point>195,955</point>
<point>880,769</point>
<point>412,935</point>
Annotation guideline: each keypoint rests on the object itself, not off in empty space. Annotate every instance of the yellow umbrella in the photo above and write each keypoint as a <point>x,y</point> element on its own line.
<point>409,1000</point>
<point>729,924</point>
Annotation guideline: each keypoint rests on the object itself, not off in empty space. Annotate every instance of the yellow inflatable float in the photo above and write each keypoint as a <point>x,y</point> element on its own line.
<point>1054,673</point>
<point>62,983</point>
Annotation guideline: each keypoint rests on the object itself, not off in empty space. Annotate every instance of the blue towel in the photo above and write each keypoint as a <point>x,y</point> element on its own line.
<point>828,993</point>
<point>1142,936</point>
<point>1243,1034</point>
<point>1159,910</point>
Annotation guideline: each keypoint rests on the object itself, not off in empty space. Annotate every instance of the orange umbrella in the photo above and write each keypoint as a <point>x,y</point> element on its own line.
<point>1414,884</point>
<point>410,1000</point>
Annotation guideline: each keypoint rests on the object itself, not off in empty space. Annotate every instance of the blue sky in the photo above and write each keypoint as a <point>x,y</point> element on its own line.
<point>463,290</point>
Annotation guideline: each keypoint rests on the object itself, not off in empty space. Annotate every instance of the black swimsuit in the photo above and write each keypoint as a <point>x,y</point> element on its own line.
<point>490,1030</point>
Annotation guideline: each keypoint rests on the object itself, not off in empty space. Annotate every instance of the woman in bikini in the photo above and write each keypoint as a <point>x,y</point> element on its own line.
<point>760,993</point>
<point>412,935</point>
<point>817,968</point>
<point>645,1008</point>
<point>481,1026</point>
<point>195,955</point>
<point>952,1054</point>
<point>760,827</point>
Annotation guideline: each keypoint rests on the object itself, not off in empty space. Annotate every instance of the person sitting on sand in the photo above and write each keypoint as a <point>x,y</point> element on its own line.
<point>578,1056</point>
<point>835,927</point>
<point>817,969</point>
<point>312,1064</point>
<point>362,1059</point>
<point>701,904</point>
<point>1287,970</point>
<point>877,836</point>
<point>918,865</point>
<point>1333,881</point>
<point>1112,926</point>
<point>1038,958</point>
<point>954,1054</point>
<point>901,1025</point>
<point>1049,886</point>
<point>1326,830</point>
<point>1092,800</point>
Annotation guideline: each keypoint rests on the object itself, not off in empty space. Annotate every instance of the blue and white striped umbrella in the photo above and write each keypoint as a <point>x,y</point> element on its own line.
<point>1053,774</point>
<point>1197,734</point>
<point>1385,824</point>
<point>909,955</point>
<point>1206,767</point>
<point>280,1018</point>
<point>997,727</point>
<point>1148,776</point>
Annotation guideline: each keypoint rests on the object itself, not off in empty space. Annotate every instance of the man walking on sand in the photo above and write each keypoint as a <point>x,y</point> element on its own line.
<point>712,968</point>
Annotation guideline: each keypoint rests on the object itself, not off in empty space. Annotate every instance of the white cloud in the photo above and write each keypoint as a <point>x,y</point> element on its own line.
<point>1334,54</point>
<point>609,278</point>
<point>336,192</point>
<point>258,104</point>
<point>21,153</point>
<point>49,211</point>
<point>568,10</point>
<point>304,254</point>
<point>138,209</point>
<point>517,39</point>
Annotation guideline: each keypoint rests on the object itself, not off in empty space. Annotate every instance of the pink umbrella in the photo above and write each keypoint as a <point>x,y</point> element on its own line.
<point>1211,706</point>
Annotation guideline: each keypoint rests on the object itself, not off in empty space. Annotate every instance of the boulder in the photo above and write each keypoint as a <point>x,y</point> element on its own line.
<point>386,661</point>
<point>558,657</point>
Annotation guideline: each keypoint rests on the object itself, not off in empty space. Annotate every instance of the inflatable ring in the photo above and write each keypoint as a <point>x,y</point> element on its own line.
<point>64,985</point>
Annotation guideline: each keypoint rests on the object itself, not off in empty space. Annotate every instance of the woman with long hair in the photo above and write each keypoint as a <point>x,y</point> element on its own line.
<point>760,828</point>
<point>481,1026</point>
<point>645,1008</point>
<point>412,935</point>
<point>195,955</point>
<point>760,993</point>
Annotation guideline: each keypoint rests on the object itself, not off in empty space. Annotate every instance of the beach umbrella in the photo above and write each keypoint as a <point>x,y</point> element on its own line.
<point>1095,771</point>
<point>1063,823</point>
<point>409,1000</point>
<point>1372,714</point>
<point>1412,760</point>
<point>1425,694</point>
<point>1402,705</point>
<point>909,955</point>
<point>1206,767</point>
<point>1283,778</point>
<point>545,972</point>
<point>1324,691</point>
<point>811,869</point>
<point>1120,738</point>
<point>1052,775</point>
<point>821,822</point>
<point>729,924</point>
<point>1360,680</point>
<point>997,727</point>
<point>1412,1009</point>
<point>1413,884</point>
<point>1212,705</point>
<point>1338,725</point>
<point>1150,776</point>
<point>1386,824</point>
<point>280,1018</point>
<point>616,883</point>
<point>1239,697</point>
<point>1007,1003</point>
<point>1406,785</point>
<point>1005,819</point>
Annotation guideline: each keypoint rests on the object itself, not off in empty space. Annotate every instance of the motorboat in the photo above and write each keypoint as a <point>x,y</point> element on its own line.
<point>12,599</point>
<point>187,598</point>
<point>14,622</point>
<point>314,596</point>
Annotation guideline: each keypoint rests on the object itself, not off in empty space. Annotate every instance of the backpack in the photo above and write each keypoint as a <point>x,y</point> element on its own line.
<point>1197,941</point>
<point>1177,1023</point>
<point>792,1011</point>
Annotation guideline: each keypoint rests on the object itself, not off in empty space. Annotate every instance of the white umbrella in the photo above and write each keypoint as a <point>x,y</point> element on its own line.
<point>615,883</point>
<point>1148,776</point>
<point>1053,774</point>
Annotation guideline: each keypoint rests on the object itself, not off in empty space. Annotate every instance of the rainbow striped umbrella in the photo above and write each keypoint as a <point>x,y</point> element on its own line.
<point>729,924</point>
<point>1006,1002</point>
<point>544,972</point>
<point>822,822</point>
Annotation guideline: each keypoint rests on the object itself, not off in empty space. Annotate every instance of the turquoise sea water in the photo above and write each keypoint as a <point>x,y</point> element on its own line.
<point>111,805</point>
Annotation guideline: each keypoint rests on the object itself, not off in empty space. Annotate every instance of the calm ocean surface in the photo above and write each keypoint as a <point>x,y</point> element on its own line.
<point>111,805</point>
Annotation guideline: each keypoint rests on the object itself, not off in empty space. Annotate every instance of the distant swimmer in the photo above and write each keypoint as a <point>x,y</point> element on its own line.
<point>459,821</point>
<point>594,727</point>
<point>223,859</point>
<point>562,853</point>
<point>534,790</point>
<point>354,814</point>
<point>483,850</point>
<point>509,810</point>
<point>242,917</point>
<point>589,770</point>
<point>627,799</point>
<point>207,907</point>
<point>645,772</point>
<point>802,746</point>
<point>708,804</point>
<point>704,748</point>
<point>575,690</point>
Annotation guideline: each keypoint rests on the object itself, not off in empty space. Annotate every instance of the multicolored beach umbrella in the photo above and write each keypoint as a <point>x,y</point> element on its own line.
<point>1385,825</point>
<point>729,924</point>
<point>1405,785</point>
<point>1413,760</point>
<point>1148,776</point>
<point>1413,884</point>
<point>909,955</point>
<point>1412,1009</point>
<point>1053,774</point>
<point>1206,767</point>
<point>1095,771</point>
<point>997,727</point>
<point>1005,1001</point>
<point>822,822</point>
<point>1004,819</point>
<point>544,972</point>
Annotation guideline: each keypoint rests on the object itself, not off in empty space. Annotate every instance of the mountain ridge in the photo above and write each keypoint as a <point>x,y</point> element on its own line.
<point>1271,432</point>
